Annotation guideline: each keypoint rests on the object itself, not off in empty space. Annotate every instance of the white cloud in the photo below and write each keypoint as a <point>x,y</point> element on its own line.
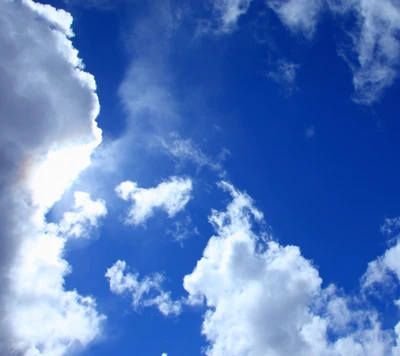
<point>78,223</point>
<point>145,293</point>
<point>228,13</point>
<point>376,47</point>
<point>266,299</point>
<point>170,196</point>
<point>47,319</point>
<point>390,226</point>
<point>47,133</point>
<point>285,75</point>
<point>382,270</point>
<point>164,354</point>
<point>298,15</point>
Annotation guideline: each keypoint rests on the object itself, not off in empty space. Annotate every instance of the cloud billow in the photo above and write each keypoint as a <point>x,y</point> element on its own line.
<point>263,298</point>
<point>47,134</point>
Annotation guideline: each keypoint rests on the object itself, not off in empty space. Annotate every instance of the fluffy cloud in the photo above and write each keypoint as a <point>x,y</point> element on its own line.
<point>267,299</point>
<point>170,196</point>
<point>145,293</point>
<point>47,133</point>
<point>298,15</point>
<point>47,319</point>
<point>376,46</point>
<point>387,266</point>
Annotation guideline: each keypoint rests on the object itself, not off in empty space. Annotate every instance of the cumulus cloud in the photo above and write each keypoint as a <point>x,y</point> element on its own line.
<point>298,15</point>
<point>263,298</point>
<point>374,59</point>
<point>47,133</point>
<point>145,293</point>
<point>46,318</point>
<point>170,196</point>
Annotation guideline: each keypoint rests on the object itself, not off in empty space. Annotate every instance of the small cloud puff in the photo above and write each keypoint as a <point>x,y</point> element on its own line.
<point>309,132</point>
<point>170,196</point>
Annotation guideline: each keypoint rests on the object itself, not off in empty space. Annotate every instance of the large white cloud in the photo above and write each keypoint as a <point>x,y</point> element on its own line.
<point>170,196</point>
<point>266,299</point>
<point>145,293</point>
<point>48,108</point>
<point>47,319</point>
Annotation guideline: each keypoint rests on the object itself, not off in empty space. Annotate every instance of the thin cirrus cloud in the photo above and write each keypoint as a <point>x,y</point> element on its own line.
<point>38,163</point>
<point>269,300</point>
<point>373,54</point>
<point>285,75</point>
<point>309,132</point>
<point>376,46</point>
<point>170,196</point>
<point>372,48</point>
<point>228,12</point>
<point>298,15</point>
<point>146,292</point>
<point>186,150</point>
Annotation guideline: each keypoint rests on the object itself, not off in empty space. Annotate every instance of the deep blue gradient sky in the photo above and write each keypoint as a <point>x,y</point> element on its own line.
<point>328,193</point>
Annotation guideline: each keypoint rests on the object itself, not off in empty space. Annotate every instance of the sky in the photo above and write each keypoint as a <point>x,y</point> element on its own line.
<point>202,177</point>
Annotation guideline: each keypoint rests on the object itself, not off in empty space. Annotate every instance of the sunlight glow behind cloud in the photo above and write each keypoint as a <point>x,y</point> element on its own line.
<point>48,131</point>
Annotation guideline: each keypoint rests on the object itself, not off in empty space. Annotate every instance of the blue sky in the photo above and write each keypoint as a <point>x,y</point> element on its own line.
<point>199,177</point>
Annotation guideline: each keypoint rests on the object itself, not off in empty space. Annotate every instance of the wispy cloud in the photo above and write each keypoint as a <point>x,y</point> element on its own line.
<point>145,292</point>
<point>285,75</point>
<point>186,150</point>
<point>228,13</point>
<point>183,229</point>
<point>309,132</point>
<point>374,58</point>
<point>298,15</point>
